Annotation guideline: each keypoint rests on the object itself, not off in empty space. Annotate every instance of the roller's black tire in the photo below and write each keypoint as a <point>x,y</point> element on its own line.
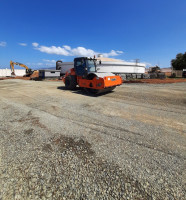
<point>70,82</point>
<point>102,91</point>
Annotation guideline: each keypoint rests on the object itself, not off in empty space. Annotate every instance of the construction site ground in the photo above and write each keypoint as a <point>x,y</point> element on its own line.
<point>60,144</point>
<point>157,81</point>
<point>149,81</point>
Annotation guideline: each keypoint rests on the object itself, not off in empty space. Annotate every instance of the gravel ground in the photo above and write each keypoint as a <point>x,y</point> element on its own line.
<point>60,144</point>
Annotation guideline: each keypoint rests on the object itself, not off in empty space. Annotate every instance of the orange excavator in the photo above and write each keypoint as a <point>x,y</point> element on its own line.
<point>85,75</point>
<point>28,71</point>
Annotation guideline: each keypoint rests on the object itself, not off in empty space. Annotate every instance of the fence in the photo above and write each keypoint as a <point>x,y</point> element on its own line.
<point>177,73</point>
<point>7,72</point>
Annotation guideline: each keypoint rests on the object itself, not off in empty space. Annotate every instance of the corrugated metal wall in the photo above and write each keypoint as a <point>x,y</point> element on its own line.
<point>7,72</point>
<point>178,73</point>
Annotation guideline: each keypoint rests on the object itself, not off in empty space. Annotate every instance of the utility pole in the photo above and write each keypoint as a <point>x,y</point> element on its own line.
<point>137,61</point>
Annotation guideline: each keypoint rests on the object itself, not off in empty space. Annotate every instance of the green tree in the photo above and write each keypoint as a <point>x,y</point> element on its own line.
<point>179,63</point>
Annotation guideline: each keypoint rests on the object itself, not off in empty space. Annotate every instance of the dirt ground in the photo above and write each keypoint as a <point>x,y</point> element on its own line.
<point>17,77</point>
<point>149,81</point>
<point>60,144</point>
<point>158,81</point>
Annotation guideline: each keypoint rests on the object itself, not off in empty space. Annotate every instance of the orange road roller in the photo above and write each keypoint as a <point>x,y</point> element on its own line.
<point>86,76</point>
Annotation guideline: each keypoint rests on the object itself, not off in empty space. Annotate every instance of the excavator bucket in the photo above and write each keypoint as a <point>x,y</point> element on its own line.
<point>13,74</point>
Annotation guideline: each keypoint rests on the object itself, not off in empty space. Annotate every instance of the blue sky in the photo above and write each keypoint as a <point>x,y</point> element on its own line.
<point>39,32</point>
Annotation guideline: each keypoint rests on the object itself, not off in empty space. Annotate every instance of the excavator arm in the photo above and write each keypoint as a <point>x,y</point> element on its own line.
<point>12,68</point>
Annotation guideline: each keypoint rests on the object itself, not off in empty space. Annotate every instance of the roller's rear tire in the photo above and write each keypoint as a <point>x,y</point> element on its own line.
<point>70,82</point>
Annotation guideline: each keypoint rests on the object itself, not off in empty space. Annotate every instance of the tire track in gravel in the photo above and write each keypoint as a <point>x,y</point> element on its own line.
<point>86,121</point>
<point>139,188</point>
<point>101,124</point>
<point>96,122</point>
<point>120,99</point>
<point>128,140</point>
<point>131,180</point>
<point>97,127</point>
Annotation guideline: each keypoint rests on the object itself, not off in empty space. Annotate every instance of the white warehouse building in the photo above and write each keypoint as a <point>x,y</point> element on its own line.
<point>108,65</point>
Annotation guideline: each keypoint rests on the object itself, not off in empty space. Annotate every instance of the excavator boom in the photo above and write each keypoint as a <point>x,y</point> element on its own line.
<point>21,65</point>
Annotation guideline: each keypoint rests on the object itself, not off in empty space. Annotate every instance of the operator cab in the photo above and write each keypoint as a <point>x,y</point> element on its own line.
<point>83,66</point>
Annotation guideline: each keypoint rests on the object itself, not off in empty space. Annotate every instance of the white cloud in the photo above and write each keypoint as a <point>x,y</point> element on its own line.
<point>147,64</point>
<point>68,51</point>
<point>112,53</point>
<point>53,50</point>
<point>35,64</point>
<point>120,52</point>
<point>22,44</point>
<point>35,44</point>
<point>39,64</point>
<point>67,47</point>
<point>3,44</point>
<point>45,63</point>
<point>49,61</point>
<point>81,51</point>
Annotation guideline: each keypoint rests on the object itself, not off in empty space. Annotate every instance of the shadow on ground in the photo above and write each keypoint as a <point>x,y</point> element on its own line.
<point>82,91</point>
